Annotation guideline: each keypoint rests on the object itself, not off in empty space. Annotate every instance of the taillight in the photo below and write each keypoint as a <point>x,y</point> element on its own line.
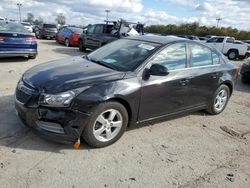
<point>2,38</point>
<point>29,39</point>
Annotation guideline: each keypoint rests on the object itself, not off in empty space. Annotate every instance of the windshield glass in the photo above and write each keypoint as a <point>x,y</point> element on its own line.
<point>123,54</point>
<point>49,26</point>
<point>12,27</point>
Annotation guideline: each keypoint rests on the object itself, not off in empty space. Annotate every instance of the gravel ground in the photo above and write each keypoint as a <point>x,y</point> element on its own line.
<point>189,151</point>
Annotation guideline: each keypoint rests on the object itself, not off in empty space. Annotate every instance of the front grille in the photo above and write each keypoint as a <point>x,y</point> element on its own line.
<point>24,92</point>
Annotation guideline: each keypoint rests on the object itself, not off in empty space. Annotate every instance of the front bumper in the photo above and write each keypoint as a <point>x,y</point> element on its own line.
<point>63,126</point>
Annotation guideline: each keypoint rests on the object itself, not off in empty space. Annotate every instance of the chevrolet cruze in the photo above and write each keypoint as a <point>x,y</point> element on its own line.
<point>127,82</point>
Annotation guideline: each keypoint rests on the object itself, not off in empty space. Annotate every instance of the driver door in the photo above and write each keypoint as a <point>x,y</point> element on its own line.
<point>161,95</point>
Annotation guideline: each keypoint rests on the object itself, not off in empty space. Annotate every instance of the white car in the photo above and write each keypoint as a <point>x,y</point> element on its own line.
<point>230,47</point>
<point>27,26</point>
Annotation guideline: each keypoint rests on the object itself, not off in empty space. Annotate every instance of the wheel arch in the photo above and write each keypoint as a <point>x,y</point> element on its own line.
<point>231,49</point>
<point>125,104</point>
<point>229,85</point>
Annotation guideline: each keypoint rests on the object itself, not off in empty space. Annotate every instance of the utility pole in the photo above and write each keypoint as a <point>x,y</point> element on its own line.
<point>218,21</point>
<point>107,18</point>
<point>19,9</point>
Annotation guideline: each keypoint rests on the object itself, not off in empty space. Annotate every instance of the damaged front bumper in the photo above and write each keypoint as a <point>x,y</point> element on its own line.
<point>60,125</point>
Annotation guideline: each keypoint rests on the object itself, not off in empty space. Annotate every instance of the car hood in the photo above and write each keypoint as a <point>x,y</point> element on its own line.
<point>66,74</point>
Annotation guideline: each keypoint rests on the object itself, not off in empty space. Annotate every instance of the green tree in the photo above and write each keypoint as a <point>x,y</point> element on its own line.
<point>196,29</point>
<point>30,17</point>
<point>61,19</point>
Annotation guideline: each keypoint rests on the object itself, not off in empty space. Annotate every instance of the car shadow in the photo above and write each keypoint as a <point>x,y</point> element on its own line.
<point>13,59</point>
<point>72,51</point>
<point>242,87</point>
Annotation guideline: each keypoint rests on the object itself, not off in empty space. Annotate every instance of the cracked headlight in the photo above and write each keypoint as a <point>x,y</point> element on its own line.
<point>57,100</point>
<point>60,99</point>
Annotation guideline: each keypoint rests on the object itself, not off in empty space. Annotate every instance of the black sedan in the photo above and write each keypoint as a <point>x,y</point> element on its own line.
<point>127,82</point>
<point>245,72</point>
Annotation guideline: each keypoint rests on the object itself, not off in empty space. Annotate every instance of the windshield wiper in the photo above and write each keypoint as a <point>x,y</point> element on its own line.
<point>100,63</point>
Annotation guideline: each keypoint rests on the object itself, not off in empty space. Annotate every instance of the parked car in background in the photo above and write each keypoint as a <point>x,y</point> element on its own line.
<point>124,83</point>
<point>28,26</point>
<point>190,37</point>
<point>46,31</point>
<point>69,35</point>
<point>245,72</point>
<point>229,47</point>
<point>98,35</point>
<point>203,39</point>
<point>15,40</point>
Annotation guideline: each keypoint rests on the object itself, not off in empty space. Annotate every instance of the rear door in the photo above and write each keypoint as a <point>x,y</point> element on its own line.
<point>205,73</point>
<point>217,42</point>
<point>88,42</point>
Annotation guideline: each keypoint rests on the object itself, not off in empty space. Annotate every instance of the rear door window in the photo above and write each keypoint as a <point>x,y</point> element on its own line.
<point>200,55</point>
<point>216,40</point>
<point>230,40</point>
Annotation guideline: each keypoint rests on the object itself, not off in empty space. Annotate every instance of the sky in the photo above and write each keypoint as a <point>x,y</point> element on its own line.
<point>234,13</point>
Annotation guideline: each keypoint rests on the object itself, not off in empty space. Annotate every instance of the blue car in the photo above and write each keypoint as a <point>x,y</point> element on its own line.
<point>15,40</point>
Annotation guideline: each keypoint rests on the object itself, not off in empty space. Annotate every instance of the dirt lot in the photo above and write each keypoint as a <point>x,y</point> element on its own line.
<point>190,151</point>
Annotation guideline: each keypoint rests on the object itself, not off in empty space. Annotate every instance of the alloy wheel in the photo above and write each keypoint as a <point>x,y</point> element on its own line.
<point>220,100</point>
<point>107,125</point>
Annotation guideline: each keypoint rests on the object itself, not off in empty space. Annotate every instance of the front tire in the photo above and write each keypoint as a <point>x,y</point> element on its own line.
<point>107,124</point>
<point>67,42</point>
<point>220,100</point>
<point>82,48</point>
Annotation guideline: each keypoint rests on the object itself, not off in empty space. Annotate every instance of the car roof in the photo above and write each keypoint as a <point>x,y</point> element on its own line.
<point>157,39</point>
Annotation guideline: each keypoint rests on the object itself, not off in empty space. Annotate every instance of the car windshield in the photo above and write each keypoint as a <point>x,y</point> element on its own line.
<point>123,54</point>
<point>49,26</point>
<point>12,27</point>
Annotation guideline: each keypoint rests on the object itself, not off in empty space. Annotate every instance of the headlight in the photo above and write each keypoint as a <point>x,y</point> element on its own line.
<point>57,100</point>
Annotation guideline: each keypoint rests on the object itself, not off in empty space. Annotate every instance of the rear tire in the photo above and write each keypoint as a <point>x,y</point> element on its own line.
<point>220,100</point>
<point>32,56</point>
<point>107,124</point>
<point>232,54</point>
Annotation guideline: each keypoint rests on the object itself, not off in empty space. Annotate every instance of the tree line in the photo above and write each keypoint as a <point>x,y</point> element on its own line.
<point>60,19</point>
<point>196,29</point>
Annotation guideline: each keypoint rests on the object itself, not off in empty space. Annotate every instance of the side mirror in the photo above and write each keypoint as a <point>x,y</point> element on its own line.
<point>158,70</point>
